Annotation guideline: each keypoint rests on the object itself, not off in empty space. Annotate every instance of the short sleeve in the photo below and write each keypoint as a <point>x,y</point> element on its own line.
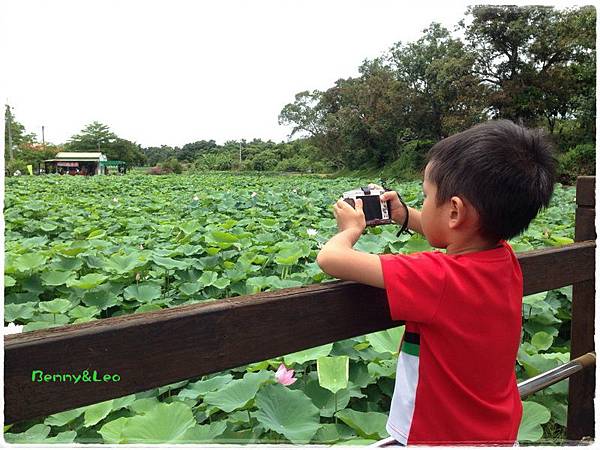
<point>414,284</point>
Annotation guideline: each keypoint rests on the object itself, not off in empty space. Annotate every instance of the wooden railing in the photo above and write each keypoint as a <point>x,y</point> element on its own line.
<point>157,348</point>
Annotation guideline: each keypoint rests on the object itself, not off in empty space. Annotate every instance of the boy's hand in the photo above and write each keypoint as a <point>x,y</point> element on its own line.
<point>397,211</point>
<point>349,218</point>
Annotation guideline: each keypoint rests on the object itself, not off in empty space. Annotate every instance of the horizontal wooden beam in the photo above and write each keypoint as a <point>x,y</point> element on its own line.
<point>162,347</point>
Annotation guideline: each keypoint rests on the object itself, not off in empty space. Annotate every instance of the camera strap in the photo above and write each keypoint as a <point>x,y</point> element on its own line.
<point>404,228</point>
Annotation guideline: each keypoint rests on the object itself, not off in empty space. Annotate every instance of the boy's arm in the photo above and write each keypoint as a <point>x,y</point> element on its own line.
<point>414,220</point>
<point>338,259</point>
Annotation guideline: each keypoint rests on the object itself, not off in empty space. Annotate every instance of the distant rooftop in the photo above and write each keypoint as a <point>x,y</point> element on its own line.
<point>81,155</point>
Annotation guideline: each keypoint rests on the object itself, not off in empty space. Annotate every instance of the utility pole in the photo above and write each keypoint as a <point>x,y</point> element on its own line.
<point>43,139</point>
<point>9,123</point>
<point>240,155</point>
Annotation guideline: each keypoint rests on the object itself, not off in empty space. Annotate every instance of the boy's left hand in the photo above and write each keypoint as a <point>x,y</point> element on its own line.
<point>349,218</point>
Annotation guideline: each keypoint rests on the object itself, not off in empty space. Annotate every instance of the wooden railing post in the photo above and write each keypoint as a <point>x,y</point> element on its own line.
<point>580,417</point>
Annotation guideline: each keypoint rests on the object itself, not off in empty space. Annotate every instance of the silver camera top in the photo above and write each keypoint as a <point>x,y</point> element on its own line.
<point>362,192</point>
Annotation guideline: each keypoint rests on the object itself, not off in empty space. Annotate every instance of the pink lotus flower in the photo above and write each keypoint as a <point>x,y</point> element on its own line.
<point>284,375</point>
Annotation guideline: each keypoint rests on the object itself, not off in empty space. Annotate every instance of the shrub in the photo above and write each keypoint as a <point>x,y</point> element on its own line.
<point>295,164</point>
<point>579,160</point>
<point>17,164</point>
<point>267,160</point>
<point>158,170</point>
<point>172,165</point>
<point>411,161</point>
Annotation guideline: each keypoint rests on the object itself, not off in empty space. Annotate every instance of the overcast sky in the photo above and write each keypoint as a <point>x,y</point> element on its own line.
<point>173,72</point>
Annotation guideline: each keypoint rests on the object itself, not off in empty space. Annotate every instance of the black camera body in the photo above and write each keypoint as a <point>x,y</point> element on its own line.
<point>377,212</point>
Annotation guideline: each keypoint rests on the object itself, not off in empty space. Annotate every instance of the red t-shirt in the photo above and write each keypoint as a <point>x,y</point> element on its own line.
<point>455,380</point>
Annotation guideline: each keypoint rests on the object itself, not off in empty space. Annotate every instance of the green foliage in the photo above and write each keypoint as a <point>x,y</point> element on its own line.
<point>533,64</point>
<point>98,137</point>
<point>107,258</point>
<point>172,166</point>
<point>579,160</point>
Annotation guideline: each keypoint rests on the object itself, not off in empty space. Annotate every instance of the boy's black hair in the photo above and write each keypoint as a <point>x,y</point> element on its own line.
<point>505,171</point>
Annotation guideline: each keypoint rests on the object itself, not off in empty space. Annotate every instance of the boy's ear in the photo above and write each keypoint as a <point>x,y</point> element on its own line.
<point>460,212</point>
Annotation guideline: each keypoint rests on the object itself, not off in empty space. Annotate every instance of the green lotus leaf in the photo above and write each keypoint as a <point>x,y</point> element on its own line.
<point>148,307</point>
<point>143,292</point>
<point>9,281</point>
<point>382,368</point>
<point>288,256</point>
<point>386,340</point>
<point>123,264</point>
<point>288,412</point>
<point>359,374</point>
<point>112,432</point>
<point>416,244</point>
<point>33,284</point>
<point>143,405</point>
<point>221,283</point>
<point>56,277</point>
<point>208,278</point>
<point>189,250</point>
<point>88,281</point>
<point>370,243</point>
<point>333,372</point>
<point>237,393</point>
<point>534,415</point>
<point>369,425</point>
<point>19,311</point>
<point>310,354</point>
<point>95,413</point>
<point>34,435</point>
<point>223,236</point>
<point>95,234</point>
<point>164,423</point>
<point>122,402</point>
<point>190,288</point>
<point>325,400</point>
<point>332,433</point>
<point>199,388</point>
<point>169,263</point>
<point>64,437</point>
<point>284,284</point>
<point>29,261</point>
<point>190,227</point>
<point>82,311</point>
<point>542,340</point>
<point>100,298</point>
<point>202,434</point>
<point>62,418</point>
<point>56,306</point>
<point>41,325</point>
<point>67,264</point>
<point>48,226</point>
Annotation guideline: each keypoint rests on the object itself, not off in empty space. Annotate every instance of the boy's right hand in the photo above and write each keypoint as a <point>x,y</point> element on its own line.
<point>397,211</point>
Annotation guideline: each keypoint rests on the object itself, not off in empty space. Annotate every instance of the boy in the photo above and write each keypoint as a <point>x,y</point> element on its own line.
<point>455,379</point>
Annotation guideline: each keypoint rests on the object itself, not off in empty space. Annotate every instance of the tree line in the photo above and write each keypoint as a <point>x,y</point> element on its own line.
<point>535,65</point>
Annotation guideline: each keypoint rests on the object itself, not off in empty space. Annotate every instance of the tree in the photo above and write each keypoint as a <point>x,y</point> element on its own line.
<point>14,133</point>
<point>98,137</point>
<point>445,96</point>
<point>534,59</point>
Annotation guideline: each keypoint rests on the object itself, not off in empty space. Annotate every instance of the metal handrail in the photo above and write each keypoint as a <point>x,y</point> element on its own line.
<point>543,380</point>
<point>532,385</point>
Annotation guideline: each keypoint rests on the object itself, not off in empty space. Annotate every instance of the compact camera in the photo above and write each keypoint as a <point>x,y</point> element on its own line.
<point>377,212</point>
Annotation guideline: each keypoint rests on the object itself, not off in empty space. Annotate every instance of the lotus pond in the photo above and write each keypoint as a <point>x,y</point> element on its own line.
<point>80,249</point>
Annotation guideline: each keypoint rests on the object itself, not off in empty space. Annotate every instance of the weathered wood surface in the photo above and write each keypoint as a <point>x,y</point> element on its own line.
<point>586,191</point>
<point>162,347</point>
<point>582,386</point>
